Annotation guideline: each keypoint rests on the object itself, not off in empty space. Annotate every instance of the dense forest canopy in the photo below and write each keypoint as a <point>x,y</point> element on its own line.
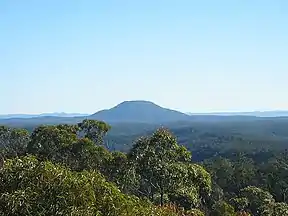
<point>91,168</point>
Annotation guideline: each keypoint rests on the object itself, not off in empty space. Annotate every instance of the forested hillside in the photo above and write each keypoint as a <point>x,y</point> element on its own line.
<point>225,169</point>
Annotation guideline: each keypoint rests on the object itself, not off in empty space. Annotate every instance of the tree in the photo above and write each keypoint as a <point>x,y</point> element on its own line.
<point>32,187</point>
<point>222,171</point>
<point>217,194</point>
<point>190,185</point>
<point>60,144</point>
<point>260,202</point>
<point>276,175</point>
<point>163,167</point>
<point>83,154</point>
<point>13,141</point>
<point>240,204</point>
<point>48,142</point>
<point>94,130</point>
<point>244,172</point>
<point>280,209</point>
<point>222,208</point>
<point>122,173</point>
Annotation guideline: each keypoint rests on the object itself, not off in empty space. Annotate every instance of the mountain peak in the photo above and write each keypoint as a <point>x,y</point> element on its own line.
<point>136,103</point>
<point>139,111</point>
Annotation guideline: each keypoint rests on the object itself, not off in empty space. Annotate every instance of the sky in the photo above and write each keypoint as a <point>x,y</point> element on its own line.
<point>189,55</point>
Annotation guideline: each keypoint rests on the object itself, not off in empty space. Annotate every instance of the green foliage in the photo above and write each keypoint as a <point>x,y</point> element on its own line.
<point>180,212</point>
<point>222,170</point>
<point>231,175</point>
<point>222,208</point>
<point>83,154</point>
<point>162,168</point>
<point>61,144</point>
<point>48,141</point>
<point>94,130</point>
<point>280,209</point>
<point>121,171</point>
<point>13,142</point>
<point>156,168</point>
<point>31,187</point>
<point>260,202</point>
<point>275,172</point>
<point>241,204</point>
<point>191,184</point>
<point>244,172</point>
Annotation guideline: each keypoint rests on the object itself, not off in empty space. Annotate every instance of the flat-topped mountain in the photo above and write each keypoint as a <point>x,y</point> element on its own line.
<point>139,111</point>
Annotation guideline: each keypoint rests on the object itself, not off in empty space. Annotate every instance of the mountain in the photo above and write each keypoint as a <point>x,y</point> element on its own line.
<point>139,111</point>
<point>142,113</point>
<point>25,116</point>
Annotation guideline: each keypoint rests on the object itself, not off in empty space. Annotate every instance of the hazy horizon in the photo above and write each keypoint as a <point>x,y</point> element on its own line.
<point>187,112</point>
<point>191,56</point>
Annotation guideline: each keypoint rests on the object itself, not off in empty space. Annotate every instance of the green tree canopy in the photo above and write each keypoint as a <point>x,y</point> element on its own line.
<point>32,187</point>
<point>164,168</point>
<point>94,130</point>
<point>13,141</point>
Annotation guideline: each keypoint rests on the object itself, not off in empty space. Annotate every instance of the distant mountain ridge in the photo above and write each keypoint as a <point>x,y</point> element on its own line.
<point>62,114</point>
<point>273,113</point>
<point>137,111</point>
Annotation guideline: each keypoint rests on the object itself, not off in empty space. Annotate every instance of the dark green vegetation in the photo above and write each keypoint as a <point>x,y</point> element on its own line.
<point>217,166</point>
<point>65,170</point>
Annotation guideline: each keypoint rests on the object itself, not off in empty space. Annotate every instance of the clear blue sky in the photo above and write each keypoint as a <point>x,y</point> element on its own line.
<point>196,56</point>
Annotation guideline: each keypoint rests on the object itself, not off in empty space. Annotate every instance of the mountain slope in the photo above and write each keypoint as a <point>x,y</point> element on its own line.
<point>139,111</point>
